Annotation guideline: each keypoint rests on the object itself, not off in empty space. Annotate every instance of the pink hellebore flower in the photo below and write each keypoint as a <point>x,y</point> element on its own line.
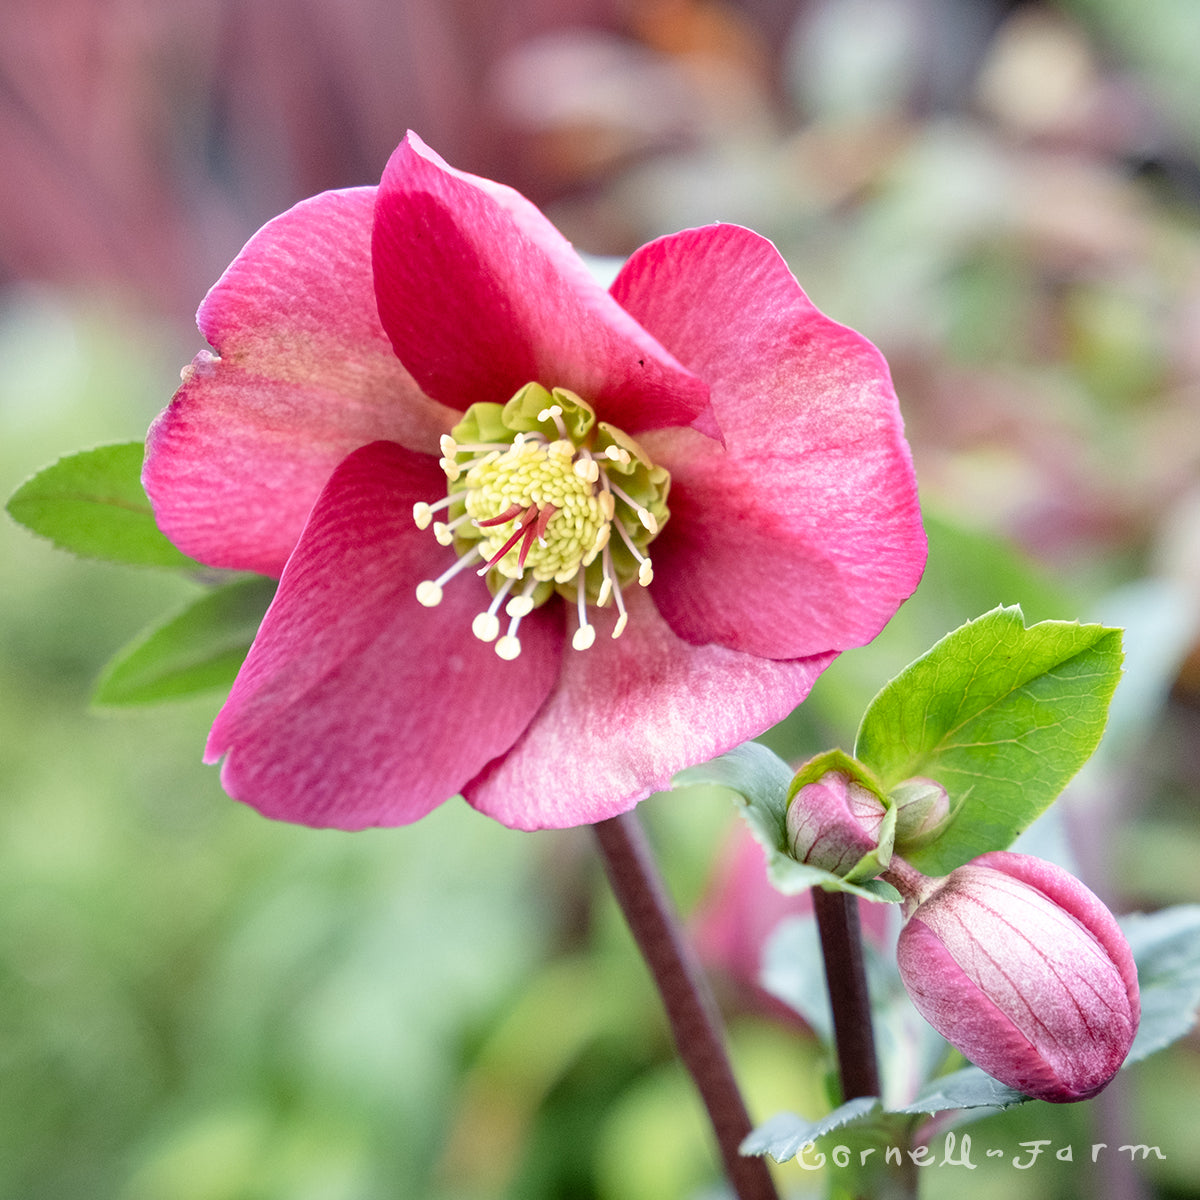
<point>1024,970</point>
<point>454,449</point>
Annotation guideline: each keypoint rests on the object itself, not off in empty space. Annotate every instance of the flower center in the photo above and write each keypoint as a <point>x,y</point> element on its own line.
<point>537,512</point>
<point>542,499</point>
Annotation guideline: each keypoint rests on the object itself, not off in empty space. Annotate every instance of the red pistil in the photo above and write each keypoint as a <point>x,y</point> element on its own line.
<point>535,531</point>
<point>531,525</point>
<point>543,520</point>
<point>508,514</point>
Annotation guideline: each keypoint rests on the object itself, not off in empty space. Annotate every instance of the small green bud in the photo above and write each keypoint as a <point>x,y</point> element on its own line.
<point>922,809</point>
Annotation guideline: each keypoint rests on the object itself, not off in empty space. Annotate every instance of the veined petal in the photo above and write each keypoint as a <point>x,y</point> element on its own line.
<point>303,374</point>
<point>990,944</point>
<point>482,295</point>
<point>949,1000</point>
<point>356,706</point>
<point>804,534</point>
<point>627,714</point>
<point>1081,902</point>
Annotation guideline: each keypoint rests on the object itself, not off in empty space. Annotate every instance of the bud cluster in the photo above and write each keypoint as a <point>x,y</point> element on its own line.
<point>1010,958</point>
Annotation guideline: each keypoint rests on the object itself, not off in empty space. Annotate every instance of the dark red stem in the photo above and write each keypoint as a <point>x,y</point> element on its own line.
<point>846,980</point>
<point>691,1011</point>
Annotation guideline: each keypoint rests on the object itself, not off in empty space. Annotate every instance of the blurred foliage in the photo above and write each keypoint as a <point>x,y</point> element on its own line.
<point>196,1004</point>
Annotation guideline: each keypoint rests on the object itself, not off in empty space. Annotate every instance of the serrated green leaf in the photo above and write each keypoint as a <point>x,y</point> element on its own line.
<point>785,1135</point>
<point>967,1088</point>
<point>1166,948</point>
<point>199,649</point>
<point>750,769</point>
<point>760,780</point>
<point>793,971</point>
<point>93,504</point>
<point>998,713</point>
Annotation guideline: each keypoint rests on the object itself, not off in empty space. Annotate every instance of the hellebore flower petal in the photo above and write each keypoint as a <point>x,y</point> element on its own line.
<point>303,375</point>
<point>1026,972</point>
<point>356,706</point>
<point>805,531</point>
<point>480,294</point>
<point>629,714</point>
<point>543,443</point>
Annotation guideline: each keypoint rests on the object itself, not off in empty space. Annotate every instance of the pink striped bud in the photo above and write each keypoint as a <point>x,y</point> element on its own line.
<point>1024,970</point>
<point>833,822</point>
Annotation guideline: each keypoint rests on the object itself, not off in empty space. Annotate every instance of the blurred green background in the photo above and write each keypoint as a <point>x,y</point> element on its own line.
<point>197,1004</point>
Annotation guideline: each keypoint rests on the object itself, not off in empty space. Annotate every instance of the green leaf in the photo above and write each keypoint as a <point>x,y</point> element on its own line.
<point>1166,947</point>
<point>93,504</point>
<point>751,769</point>
<point>785,1135</point>
<point>967,1088</point>
<point>793,971</point>
<point>1002,716</point>
<point>760,780</point>
<point>199,649</point>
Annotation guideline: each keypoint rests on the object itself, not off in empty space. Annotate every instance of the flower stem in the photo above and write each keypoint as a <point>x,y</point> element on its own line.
<point>691,1011</point>
<point>846,979</point>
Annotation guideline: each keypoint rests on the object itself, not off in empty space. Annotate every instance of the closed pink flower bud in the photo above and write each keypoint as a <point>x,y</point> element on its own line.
<point>922,807</point>
<point>1025,971</point>
<point>833,822</point>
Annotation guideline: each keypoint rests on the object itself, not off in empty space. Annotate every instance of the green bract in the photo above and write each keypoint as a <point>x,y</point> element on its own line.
<point>92,503</point>
<point>1000,715</point>
<point>761,781</point>
<point>199,648</point>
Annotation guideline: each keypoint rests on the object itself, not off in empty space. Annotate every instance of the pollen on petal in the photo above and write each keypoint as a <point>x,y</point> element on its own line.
<point>429,593</point>
<point>508,648</point>
<point>486,626</point>
<point>519,606</point>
